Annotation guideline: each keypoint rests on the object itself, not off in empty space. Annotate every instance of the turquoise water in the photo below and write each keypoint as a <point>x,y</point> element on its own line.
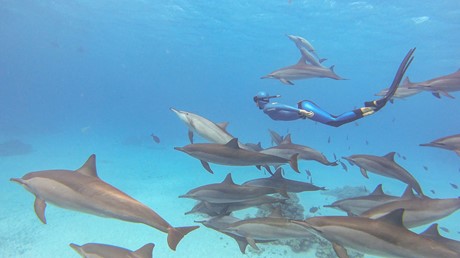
<point>83,77</point>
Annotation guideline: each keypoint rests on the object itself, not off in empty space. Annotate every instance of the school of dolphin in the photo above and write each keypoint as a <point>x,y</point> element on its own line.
<point>376,224</point>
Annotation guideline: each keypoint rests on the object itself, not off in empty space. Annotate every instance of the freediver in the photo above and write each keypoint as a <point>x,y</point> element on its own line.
<point>308,109</point>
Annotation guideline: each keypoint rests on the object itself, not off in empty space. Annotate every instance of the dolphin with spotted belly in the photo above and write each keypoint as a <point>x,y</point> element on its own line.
<point>82,190</point>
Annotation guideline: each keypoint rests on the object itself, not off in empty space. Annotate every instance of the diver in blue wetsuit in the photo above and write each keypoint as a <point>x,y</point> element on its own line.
<point>308,109</point>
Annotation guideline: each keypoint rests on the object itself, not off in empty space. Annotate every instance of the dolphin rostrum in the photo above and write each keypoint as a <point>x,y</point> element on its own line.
<point>82,190</point>
<point>232,155</point>
<point>110,251</point>
<point>286,149</point>
<point>384,166</point>
<point>451,142</point>
<point>385,236</point>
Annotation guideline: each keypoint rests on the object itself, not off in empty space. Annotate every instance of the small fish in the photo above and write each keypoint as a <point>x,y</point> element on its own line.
<point>445,229</point>
<point>335,157</point>
<point>343,165</point>
<point>308,172</point>
<point>454,186</point>
<point>314,209</point>
<point>155,138</point>
<point>425,167</point>
<point>329,139</point>
<point>433,191</point>
<point>404,157</point>
<point>399,155</point>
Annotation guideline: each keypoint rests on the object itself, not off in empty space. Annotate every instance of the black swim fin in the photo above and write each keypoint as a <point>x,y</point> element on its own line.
<point>380,103</point>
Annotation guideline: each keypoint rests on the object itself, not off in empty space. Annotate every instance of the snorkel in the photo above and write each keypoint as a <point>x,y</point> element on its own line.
<point>262,98</point>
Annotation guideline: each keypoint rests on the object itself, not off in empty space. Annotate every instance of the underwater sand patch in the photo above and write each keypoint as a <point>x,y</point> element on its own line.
<point>14,148</point>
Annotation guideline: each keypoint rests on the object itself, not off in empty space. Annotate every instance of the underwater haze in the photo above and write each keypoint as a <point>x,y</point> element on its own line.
<point>82,77</point>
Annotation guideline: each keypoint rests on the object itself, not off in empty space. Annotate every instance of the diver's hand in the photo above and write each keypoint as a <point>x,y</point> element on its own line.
<point>304,113</point>
<point>367,110</point>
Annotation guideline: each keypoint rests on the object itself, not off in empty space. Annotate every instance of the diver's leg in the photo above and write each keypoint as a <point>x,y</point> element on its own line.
<point>380,103</point>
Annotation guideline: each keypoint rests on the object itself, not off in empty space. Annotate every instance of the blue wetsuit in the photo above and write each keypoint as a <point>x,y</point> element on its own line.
<point>278,111</point>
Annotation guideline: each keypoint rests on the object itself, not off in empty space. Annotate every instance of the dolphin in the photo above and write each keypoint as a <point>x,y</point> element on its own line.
<point>403,91</point>
<point>384,166</point>
<point>277,181</point>
<point>286,149</point>
<point>110,251</point>
<point>218,209</point>
<point>220,222</point>
<point>303,43</point>
<point>273,227</point>
<point>302,70</point>
<point>232,155</point>
<point>433,233</point>
<point>385,236</point>
<point>82,190</point>
<point>451,142</point>
<point>229,192</point>
<point>355,206</point>
<point>441,85</point>
<point>216,133</point>
<point>418,211</point>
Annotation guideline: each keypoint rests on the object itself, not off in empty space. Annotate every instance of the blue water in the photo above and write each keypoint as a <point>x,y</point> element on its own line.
<point>83,77</point>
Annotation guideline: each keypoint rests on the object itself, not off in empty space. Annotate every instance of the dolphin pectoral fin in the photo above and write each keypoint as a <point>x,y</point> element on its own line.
<point>340,250</point>
<point>206,166</point>
<point>190,136</point>
<point>436,94</point>
<point>175,235</point>
<point>241,244</point>
<point>294,162</point>
<point>445,93</point>
<point>39,207</point>
<point>458,152</point>
<point>145,251</point>
<point>364,172</point>
<point>287,82</point>
<point>252,243</point>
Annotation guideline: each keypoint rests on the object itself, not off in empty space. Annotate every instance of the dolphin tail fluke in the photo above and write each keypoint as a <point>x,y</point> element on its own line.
<point>175,235</point>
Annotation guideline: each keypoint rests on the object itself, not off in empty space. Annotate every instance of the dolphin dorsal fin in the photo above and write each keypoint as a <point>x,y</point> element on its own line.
<point>395,217</point>
<point>145,251</point>
<point>302,60</point>
<point>233,143</point>
<point>228,179</point>
<point>223,125</point>
<point>431,231</point>
<point>89,168</point>
<point>278,173</point>
<point>408,194</point>
<point>406,81</point>
<point>378,190</point>
<point>390,156</point>
<point>287,139</point>
<point>276,213</point>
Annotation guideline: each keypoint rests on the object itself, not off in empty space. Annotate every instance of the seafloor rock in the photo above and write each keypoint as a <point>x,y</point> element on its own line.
<point>346,192</point>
